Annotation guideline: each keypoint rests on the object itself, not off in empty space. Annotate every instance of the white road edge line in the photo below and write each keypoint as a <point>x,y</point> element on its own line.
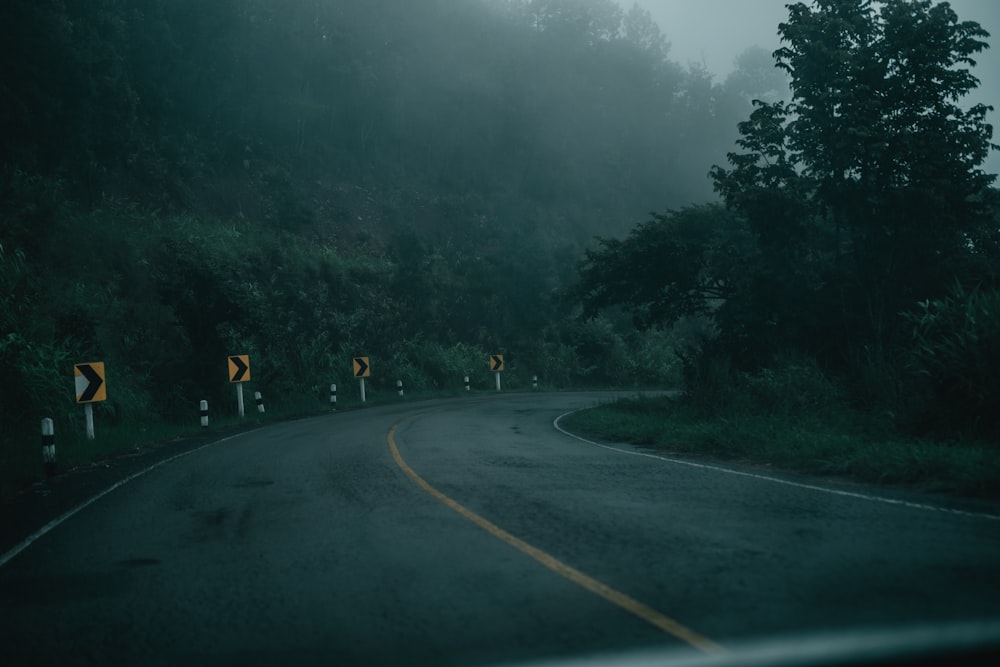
<point>777,480</point>
<point>27,542</point>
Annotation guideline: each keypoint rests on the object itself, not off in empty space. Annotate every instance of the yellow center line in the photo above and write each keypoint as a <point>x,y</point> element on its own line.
<point>615,597</point>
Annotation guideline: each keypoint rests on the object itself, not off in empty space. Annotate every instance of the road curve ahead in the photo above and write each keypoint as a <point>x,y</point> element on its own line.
<point>470,531</point>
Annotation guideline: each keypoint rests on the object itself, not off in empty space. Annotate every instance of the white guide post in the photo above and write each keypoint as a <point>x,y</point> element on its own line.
<point>88,411</point>
<point>239,398</point>
<point>49,445</point>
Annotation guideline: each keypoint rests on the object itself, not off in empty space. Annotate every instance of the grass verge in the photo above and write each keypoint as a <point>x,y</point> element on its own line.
<point>841,444</point>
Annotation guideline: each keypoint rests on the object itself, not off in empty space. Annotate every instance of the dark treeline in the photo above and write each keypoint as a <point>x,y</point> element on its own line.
<point>856,249</point>
<point>251,109</point>
<point>310,180</point>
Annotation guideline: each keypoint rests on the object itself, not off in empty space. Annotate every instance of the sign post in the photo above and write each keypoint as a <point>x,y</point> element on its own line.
<point>496,365</point>
<point>88,413</point>
<point>362,369</point>
<point>49,446</point>
<point>239,372</point>
<point>90,388</point>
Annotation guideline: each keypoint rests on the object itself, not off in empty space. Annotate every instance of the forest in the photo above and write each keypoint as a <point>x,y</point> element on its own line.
<point>421,183</point>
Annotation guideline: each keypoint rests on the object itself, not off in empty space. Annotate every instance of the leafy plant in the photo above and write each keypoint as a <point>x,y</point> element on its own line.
<point>956,349</point>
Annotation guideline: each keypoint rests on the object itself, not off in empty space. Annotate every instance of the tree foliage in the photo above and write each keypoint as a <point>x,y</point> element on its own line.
<point>873,167</point>
<point>857,198</point>
<point>680,264</point>
<point>307,181</point>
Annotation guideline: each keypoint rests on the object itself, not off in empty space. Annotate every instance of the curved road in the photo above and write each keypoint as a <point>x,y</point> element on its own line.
<point>472,531</point>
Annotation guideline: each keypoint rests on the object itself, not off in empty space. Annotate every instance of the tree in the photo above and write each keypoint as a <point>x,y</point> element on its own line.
<point>755,76</point>
<point>639,28</point>
<point>590,20</point>
<point>676,265</point>
<point>850,202</point>
<point>873,167</point>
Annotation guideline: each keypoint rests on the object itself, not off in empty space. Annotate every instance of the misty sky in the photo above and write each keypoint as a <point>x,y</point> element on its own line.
<point>713,32</point>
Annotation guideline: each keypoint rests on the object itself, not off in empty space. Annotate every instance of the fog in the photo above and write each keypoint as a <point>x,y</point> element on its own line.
<point>419,182</point>
<point>711,33</point>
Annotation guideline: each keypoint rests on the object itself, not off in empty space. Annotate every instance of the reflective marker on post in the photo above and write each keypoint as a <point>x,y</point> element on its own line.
<point>466,383</point>
<point>534,382</point>
<point>399,387</point>
<point>203,407</point>
<point>496,365</point>
<point>239,372</point>
<point>91,387</point>
<point>49,446</point>
<point>362,369</point>
<point>260,402</point>
<point>333,395</point>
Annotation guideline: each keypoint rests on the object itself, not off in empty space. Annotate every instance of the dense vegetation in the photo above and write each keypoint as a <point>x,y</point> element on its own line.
<point>856,239</point>
<point>309,181</point>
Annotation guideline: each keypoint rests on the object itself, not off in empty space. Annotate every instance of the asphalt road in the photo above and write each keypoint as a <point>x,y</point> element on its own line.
<point>471,532</point>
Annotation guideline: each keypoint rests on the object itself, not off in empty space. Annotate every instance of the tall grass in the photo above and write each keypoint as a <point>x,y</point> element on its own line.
<point>792,417</point>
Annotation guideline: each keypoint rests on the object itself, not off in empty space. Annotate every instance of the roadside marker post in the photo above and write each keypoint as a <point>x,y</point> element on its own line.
<point>49,446</point>
<point>88,414</point>
<point>260,402</point>
<point>333,395</point>
<point>496,365</point>
<point>399,387</point>
<point>466,383</point>
<point>239,372</point>
<point>534,382</point>
<point>90,388</point>
<point>203,409</point>
<point>362,369</point>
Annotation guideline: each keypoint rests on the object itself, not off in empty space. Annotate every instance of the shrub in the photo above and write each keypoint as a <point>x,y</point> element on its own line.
<point>709,380</point>
<point>792,386</point>
<point>956,349</point>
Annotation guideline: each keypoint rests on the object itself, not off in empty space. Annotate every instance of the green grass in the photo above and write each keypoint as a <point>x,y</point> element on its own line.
<point>841,443</point>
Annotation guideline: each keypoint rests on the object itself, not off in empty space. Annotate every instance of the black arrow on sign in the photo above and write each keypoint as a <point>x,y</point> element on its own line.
<point>94,383</point>
<point>497,362</point>
<point>241,368</point>
<point>361,367</point>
